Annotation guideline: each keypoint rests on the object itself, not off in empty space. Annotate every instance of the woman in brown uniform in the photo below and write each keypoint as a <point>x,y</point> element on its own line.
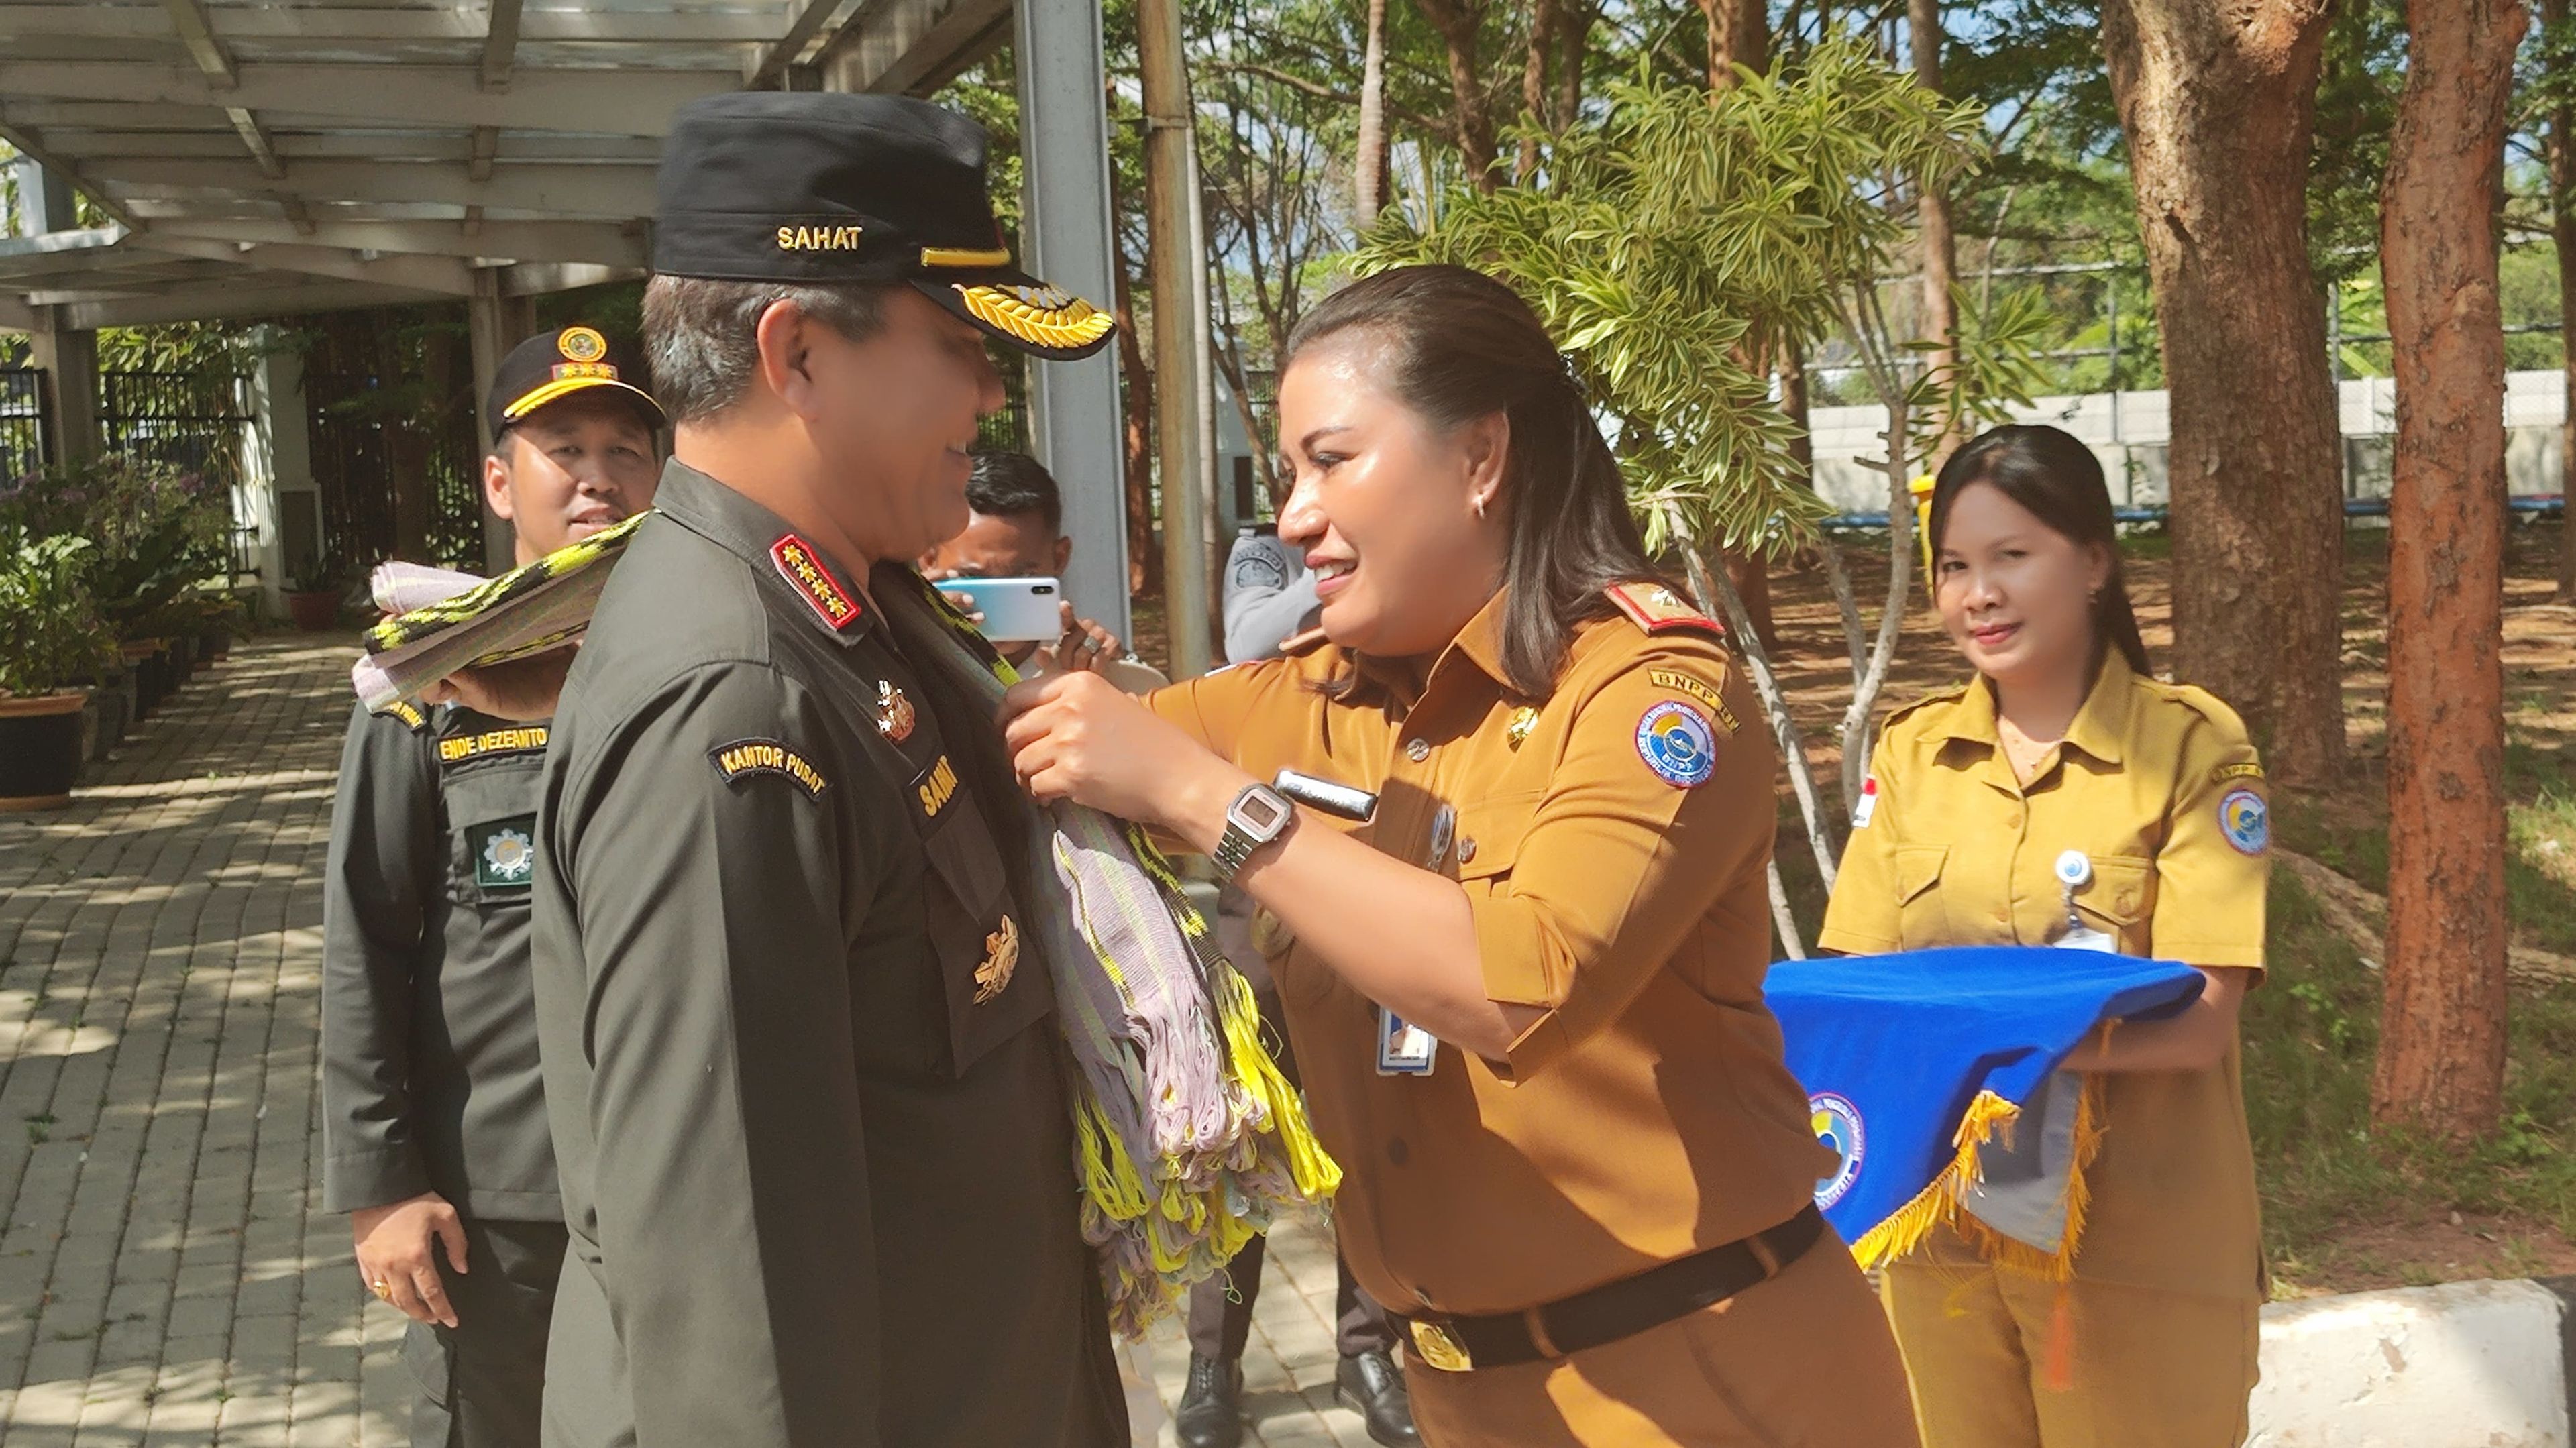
<point>2066,797</point>
<point>1528,990</point>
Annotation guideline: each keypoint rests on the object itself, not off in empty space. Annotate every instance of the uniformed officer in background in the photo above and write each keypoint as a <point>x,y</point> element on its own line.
<point>433,1114</point>
<point>816,1151</point>
<point>1269,597</point>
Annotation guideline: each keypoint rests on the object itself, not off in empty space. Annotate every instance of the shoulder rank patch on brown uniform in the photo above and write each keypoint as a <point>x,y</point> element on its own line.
<point>767,756</point>
<point>1681,683</point>
<point>524,739</point>
<point>803,569</point>
<point>1659,610</point>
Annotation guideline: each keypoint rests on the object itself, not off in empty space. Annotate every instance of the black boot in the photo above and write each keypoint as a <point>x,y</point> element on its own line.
<point>1370,1384</point>
<point>1211,1411</point>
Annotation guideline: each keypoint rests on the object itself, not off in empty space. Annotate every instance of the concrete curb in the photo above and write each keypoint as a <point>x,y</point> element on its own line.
<point>2482,1364</point>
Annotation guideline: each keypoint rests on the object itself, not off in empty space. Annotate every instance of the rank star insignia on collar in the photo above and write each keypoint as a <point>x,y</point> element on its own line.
<point>1001,958</point>
<point>895,715</point>
<point>803,569</point>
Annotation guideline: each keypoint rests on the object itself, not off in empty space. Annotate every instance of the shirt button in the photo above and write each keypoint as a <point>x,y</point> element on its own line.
<point>1396,1151</point>
<point>1466,851</point>
<point>1417,751</point>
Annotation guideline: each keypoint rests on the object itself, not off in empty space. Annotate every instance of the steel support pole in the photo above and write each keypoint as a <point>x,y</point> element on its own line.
<point>487,331</point>
<point>1177,263</point>
<point>1075,426</point>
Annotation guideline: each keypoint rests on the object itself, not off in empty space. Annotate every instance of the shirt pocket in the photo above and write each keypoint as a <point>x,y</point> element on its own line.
<point>2120,900</point>
<point>492,834</point>
<point>1488,836</point>
<point>1922,911</point>
<point>992,969</point>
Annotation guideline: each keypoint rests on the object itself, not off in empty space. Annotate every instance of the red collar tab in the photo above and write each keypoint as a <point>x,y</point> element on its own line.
<point>1658,610</point>
<point>803,569</point>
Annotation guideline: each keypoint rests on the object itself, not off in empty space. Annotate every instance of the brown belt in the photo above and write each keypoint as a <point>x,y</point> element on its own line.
<point>1614,1310</point>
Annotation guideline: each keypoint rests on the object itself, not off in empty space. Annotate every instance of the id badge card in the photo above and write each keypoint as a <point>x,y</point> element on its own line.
<point>1403,1049</point>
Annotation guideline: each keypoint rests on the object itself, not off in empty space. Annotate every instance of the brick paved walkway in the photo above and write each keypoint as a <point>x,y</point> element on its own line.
<point>166,1273</point>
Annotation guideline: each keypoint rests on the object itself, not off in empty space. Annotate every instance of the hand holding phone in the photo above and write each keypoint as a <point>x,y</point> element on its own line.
<point>1014,610</point>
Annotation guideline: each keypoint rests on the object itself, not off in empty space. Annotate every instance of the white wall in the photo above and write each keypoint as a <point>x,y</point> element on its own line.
<point>2129,431</point>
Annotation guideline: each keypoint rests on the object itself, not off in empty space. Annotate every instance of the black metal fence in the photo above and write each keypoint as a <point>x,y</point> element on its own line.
<point>22,421</point>
<point>187,420</point>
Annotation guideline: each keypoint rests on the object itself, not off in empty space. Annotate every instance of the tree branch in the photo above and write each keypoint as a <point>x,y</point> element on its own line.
<point>1442,129</point>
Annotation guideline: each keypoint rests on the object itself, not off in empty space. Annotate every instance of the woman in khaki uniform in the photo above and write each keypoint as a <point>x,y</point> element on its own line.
<point>2067,797</point>
<point>1527,991</point>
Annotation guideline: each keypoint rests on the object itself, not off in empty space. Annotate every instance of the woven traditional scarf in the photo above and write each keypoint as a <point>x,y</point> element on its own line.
<point>1927,1069</point>
<point>1188,1139</point>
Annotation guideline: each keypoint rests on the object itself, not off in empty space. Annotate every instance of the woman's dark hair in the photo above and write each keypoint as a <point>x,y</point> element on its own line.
<point>1460,345</point>
<point>2056,478</point>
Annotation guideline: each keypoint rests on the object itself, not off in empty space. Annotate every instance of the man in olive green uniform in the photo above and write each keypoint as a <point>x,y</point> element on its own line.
<point>433,1110</point>
<point>817,1161</point>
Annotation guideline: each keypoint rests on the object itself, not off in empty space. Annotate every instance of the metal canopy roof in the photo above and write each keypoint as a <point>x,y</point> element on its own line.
<point>264,156</point>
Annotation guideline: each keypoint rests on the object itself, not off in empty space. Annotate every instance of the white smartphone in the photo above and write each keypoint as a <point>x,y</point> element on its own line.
<point>1015,610</point>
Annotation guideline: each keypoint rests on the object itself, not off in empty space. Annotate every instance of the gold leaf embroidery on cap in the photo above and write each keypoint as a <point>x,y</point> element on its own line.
<point>1048,316</point>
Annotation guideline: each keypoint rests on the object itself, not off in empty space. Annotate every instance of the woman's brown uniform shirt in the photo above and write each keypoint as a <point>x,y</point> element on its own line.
<point>1647,1115</point>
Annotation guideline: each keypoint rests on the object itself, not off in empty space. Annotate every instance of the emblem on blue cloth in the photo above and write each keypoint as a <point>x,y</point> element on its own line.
<point>1836,1123</point>
<point>2246,821</point>
<point>1676,744</point>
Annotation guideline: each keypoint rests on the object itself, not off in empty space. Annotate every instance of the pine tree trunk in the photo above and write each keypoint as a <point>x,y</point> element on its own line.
<point>1472,120</point>
<point>2219,103</point>
<point>1370,165</point>
<point>1739,33</point>
<point>1940,249</point>
<point>2442,1035</point>
<point>2562,230</point>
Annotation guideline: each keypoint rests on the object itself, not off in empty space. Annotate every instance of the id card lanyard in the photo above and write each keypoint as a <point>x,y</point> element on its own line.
<point>2074,870</point>
<point>1405,1049</point>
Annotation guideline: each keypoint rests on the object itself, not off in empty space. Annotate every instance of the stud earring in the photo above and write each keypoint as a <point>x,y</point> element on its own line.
<point>1480,509</point>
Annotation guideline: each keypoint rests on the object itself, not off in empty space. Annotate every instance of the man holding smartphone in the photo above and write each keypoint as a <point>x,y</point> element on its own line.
<point>1016,530</point>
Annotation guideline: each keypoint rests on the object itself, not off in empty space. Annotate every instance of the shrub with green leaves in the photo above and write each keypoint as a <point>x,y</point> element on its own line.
<point>55,638</point>
<point>1671,245</point>
<point>158,531</point>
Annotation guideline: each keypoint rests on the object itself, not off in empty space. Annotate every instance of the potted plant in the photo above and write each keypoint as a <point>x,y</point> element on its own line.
<point>315,594</point>
<point>54,637</point>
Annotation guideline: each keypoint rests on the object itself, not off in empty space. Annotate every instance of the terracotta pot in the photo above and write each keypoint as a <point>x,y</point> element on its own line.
<point>40,749</point>
<point>314,612</point>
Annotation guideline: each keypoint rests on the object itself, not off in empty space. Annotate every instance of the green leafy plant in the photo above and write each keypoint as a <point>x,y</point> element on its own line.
<point>55,637</point>
<point>159,532</point>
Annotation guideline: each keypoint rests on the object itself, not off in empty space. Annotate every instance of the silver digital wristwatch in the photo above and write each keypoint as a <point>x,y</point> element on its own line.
<point>1257,816</point>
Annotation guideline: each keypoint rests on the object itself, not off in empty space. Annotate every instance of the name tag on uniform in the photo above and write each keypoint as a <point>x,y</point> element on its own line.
<point>1403,1048</point>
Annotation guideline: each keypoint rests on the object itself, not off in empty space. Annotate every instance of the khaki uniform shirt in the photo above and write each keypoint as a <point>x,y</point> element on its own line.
<point>2158,786</point>
<point>1647,1115</point>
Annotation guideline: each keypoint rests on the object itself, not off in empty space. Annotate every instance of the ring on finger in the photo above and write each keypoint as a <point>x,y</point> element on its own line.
<point>384,1290</point>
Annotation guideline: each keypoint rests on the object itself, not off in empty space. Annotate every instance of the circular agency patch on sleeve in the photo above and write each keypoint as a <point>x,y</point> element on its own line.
<point>2246,821</point>
<point>1676,744</point>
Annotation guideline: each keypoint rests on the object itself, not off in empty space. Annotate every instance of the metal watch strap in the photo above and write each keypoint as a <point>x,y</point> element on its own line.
<point>1235,847</point>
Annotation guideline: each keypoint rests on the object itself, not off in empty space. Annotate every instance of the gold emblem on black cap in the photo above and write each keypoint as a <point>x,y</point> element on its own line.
<point>581,344</point>
<point>1047,316</point>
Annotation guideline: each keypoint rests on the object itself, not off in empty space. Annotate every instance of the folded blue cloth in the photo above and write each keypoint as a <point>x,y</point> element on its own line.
<point>1917,1063</point>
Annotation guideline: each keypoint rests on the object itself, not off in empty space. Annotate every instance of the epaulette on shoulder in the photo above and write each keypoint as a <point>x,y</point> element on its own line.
<point>1298,646</point>
<point>1950,695</point>
<point>1659,611</point>
<point>410,715</point>
<point>2200,701</point>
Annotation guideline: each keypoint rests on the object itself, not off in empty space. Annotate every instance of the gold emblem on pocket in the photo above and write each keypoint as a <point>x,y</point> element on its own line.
<point>894,712</point>
<point>1001,957</point>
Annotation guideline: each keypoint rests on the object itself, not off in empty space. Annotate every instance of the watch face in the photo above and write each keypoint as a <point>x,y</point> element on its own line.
<point>1261,812</point>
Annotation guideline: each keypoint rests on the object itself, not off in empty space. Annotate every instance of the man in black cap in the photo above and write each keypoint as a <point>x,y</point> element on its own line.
<point>433,1109</point>
<point>817,1161</point>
